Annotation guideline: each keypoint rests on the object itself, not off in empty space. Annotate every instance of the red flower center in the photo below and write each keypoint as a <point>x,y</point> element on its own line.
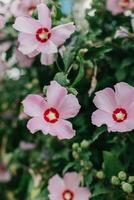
<point>51,115</point>
<point>68,195</point>
<point>43,35</point>
<point>124,3</point>
<point>120,115</point>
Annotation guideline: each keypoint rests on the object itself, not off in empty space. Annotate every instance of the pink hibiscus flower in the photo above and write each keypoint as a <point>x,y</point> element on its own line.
<point>2,21</point>
<point>115,108</point>
<point>67,188</point>
<point>119,6</point>
<point>37,36</point>
<point>50,115</point>
<point>24,7</point>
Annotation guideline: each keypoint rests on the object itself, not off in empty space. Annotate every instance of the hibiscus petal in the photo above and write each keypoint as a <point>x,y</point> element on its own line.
<point>44,16</point>
<point>61,33</point>
<point>72,180</point>
<point>47,59</point>
<point>26,39</point>
<point>48,48</point>
<point>27,50</point>
<point>56,185</point>
<point>38,124</point>
<point>82,194</point>
<point>26,25</point>
<point>28,43</point>
<point>62,129</point>
<point>113,6</point>
<point>69,107</point>
<point>55,94</point>
<point>100,117</point>
<point>33,54</point>
<point>124,94</point>
<point>54,197</point>
<point>34,105</point>
<point>105,100</point>
<point>127,125</point>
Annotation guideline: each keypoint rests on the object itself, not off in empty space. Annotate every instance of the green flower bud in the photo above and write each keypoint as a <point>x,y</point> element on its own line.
<point>127,187</point>
<point>122,176</point>
<point>45,89</point>
<point>108,40</point>
<point>131,179</point>
<point>35,81</point>
<point>83,51</point>
<point>100,175</point>
<point>75,146</point>
<point>82,163</point>
<point>85,144</point>
<point>115,180</point>
<point>61,78</point>
<point>73,91</point>
<point>79,150</point>
<point>75,155</point>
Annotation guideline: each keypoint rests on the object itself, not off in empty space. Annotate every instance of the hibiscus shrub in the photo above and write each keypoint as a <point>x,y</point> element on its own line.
<point>67,100</point>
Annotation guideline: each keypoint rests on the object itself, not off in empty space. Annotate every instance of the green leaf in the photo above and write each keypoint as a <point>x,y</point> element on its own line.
<point>98,133</point>
<point>80,74</point>
<point>68,57</point>
<point>68,166</point>
<point>100,190</point>
<point>112,164</point>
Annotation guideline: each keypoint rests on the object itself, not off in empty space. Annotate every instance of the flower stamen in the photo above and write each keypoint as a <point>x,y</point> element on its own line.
<point>43,35</point>
<point>68,195</point>
<point>51,115</point>
<point>120,115</point>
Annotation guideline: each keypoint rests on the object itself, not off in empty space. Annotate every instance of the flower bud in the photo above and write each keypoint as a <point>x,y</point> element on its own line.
<point>73,91</point>
<point>75,146</point>
<point>131,179</point>
<point>100,175</point>
<point>122,175</point>
<point>85,144</point>
<point>79,150</point>
<point>127,187</point>
<point>83,51</point>
<point>61,78</point>
<point>115,180</point>
<point>75,155</point>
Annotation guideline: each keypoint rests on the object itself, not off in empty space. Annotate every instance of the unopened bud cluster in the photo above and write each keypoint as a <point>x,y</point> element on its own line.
<point>125,182</point>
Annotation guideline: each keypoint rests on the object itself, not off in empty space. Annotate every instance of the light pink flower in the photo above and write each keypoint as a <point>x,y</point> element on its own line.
<point>67,188</point>
<point>119,6</point>
<point>2,21</point>
<point>23,60</point>
<point>24,7</point>
<point>115,108</point>
<point>122,32</point>
<point>37,36</point>
<point>50,115</point>
<point>5,175</point>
